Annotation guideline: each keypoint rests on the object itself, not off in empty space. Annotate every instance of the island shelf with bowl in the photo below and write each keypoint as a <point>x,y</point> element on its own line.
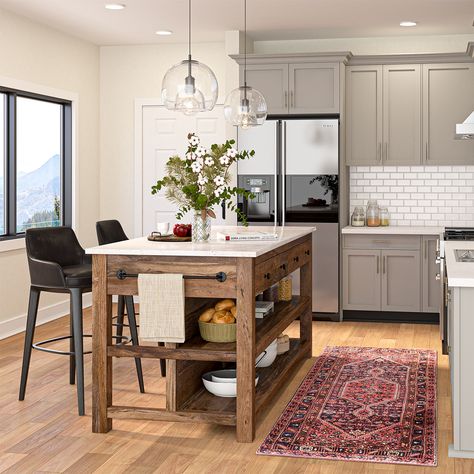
<point>249,268</point>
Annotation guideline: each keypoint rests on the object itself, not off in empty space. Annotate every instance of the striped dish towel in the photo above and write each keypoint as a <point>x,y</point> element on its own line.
<point>161,307</point>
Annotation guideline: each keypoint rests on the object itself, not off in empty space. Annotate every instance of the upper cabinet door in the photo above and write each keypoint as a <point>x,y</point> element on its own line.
<point>314,88</point>
<point>272,81</point>
<point>448,98</point>
<point>402,114</point>
<point>364,115</point>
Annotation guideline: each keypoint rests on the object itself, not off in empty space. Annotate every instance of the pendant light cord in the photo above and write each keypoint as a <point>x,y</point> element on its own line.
<point>245,44</point>
<point>189,37</point>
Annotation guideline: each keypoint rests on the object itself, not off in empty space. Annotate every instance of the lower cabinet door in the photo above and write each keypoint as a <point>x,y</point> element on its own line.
<point>431,285</point>
<point>361,280</point>
<point>401,280</point>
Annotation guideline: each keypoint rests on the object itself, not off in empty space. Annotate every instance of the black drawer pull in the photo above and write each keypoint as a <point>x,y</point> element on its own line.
<point>306,252</point>
<point>296,259</point>
<point>283,266</point>
<point>266,276</point>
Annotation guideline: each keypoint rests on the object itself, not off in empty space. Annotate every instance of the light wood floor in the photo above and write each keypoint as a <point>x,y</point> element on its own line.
<point>44,433</point>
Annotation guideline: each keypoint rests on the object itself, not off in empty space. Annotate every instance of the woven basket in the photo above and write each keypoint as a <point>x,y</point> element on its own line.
<point>212,332</point>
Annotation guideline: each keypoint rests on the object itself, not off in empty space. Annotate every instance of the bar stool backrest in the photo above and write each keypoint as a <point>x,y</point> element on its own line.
<point>109,232</point>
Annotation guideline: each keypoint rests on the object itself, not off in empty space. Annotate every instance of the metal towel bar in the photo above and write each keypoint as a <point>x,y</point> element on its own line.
<point>220,276</point>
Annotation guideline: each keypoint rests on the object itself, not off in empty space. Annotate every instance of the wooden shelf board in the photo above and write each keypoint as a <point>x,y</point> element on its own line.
<point>267,329</point>
<point>270,380</point>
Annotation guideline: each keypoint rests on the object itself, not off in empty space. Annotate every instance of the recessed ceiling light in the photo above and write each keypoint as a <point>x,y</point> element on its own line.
<point>164,32</point>
<point>115,6</point>
<point>408,23</point>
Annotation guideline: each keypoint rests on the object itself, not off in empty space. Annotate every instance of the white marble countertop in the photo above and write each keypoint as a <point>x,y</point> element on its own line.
<point>393,230</point>
<point>460,274</point>
<point>212,248</point>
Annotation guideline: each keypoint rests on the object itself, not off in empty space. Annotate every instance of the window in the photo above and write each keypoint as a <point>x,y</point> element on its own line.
<point>35,177</point>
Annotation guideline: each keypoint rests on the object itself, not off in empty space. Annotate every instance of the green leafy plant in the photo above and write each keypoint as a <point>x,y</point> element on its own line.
<point>201,180</point>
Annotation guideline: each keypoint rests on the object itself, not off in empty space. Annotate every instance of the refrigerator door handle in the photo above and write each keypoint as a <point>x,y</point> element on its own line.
<point>275,185</point>
<point>283,177</point>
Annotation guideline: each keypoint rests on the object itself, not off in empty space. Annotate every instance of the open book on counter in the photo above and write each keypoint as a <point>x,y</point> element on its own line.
<point>246,235</point>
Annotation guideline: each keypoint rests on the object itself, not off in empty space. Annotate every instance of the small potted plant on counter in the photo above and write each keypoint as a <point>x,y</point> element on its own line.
<point>202,180</point>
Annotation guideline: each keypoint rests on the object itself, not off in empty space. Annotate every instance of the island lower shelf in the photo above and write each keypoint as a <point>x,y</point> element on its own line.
<point>205,407</point>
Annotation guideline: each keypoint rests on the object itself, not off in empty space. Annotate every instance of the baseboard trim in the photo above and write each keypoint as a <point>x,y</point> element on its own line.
<point>455,453</point>
<point>16,325</point>
<point>390,316</point>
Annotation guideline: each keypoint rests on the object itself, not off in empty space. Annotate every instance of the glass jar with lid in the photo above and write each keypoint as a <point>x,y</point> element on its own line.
<point>358,217</point>
<point>384,217</point>
<point>373,213</point>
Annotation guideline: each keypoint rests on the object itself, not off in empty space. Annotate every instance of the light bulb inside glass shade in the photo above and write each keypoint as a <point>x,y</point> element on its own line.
<point>245,107</point>
<point>189,89</point>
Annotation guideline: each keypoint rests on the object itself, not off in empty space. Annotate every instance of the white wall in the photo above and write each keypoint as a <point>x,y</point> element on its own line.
<point>128,73</point>
<point>48,59</point>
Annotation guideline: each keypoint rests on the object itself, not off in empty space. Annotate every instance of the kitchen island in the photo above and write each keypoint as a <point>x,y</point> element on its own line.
<point>216,269</point>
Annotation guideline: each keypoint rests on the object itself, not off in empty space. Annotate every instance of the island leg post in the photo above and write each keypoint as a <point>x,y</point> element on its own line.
<point>306,319</point>
<point>101,338</point>
<point>245,350</point>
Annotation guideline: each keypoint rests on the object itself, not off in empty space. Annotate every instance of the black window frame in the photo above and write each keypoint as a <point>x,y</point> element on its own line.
<point>10,171</point>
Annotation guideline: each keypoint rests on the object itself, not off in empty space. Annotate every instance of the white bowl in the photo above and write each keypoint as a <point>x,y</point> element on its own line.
<point>268,356</point>
<point>225,376</point>
<point>221,389</point>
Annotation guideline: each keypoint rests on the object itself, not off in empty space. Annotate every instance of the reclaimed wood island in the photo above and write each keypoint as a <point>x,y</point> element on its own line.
<point>238,270</point>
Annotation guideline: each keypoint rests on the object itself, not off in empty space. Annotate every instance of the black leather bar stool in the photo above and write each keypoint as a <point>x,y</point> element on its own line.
<point>109,232</point>
<point>57,264</point>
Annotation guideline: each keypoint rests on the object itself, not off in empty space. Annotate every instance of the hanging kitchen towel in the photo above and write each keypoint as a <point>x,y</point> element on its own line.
<point>161,307</point>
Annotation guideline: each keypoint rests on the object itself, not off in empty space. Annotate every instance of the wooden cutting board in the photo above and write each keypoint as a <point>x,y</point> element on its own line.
<point>156,237</point>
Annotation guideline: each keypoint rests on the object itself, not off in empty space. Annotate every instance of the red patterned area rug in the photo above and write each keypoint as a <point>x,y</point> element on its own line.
<point>362,404</point>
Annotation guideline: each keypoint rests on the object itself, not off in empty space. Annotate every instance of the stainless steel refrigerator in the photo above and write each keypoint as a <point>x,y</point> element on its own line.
<point>294,176</point>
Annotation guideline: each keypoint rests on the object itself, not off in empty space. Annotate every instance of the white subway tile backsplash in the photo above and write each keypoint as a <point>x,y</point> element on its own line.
<point>417,195</point>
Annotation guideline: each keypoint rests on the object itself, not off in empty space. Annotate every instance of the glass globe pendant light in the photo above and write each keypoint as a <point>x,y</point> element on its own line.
<point>245,106</point>
<point>189,86</point>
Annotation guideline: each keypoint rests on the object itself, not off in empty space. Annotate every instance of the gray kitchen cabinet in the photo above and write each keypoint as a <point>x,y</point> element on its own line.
<point>296,88</point>
<point>361,279</point>
<point>364,115</point>
<point>448,98</point>
<point>461,353</point>
<point>314,88</point>
<point>401,114</point>
<point>272,81</point>
<point>401,280</point>
<point>430,269</point>
<point>383,109</point>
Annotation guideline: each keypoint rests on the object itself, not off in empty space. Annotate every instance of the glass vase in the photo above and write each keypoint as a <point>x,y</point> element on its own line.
<point>201,226</point>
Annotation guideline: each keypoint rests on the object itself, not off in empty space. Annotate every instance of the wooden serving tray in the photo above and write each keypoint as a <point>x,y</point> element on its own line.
<point>156,237</point>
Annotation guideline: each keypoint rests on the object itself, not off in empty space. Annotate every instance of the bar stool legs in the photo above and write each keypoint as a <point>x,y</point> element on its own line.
<point>30,332</point>
<point>76,297</point>
<point>120,314</point>
<point>134,336</point>
<point>72,359</point>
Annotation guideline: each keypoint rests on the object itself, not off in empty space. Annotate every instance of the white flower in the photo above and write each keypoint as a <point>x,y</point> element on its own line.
<point>219,180</point>
<point>201,151</point>
<point>209,161</point>
<point>202,180</point>
<point>193,139</point>
<point>196,166</point>
<point>219,191</point>
<point>224,160</point>
<point>191,156</point>
<point>231,153</point>
<point>200,161</point>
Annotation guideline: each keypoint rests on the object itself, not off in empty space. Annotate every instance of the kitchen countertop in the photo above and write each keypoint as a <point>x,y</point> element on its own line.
<point>393,230</point>
<point>212,248</point>
<point>460,274</point>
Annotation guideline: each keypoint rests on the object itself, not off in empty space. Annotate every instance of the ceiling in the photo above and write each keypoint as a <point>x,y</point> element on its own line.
<point>267,19</point>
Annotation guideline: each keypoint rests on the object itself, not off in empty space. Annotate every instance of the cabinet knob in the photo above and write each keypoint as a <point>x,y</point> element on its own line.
<point>266,276</point>
<point>296,259</point>
<point>283,266</point>
<point>307,252</point>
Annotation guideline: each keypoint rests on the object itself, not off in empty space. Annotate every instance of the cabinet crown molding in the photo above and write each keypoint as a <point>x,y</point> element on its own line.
<point>346,57</point>
<point>336,57</point>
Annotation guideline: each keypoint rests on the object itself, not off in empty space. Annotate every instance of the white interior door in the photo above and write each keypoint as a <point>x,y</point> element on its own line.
<point>165,134</point>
